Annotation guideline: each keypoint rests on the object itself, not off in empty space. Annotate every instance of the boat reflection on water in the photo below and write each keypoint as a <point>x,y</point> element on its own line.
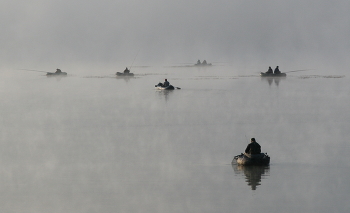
<point>125,78</point>
<point>164,94</point>
<point>57,77</point>
<point>253,174</point>
<point>270,80</point>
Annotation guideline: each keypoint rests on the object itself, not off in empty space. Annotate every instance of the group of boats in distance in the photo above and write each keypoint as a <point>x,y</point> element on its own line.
<point>244,159</point>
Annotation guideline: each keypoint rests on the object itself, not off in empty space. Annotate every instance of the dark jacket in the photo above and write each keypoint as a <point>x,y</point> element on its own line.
<point>166,83</point>
<point>277,71</point>
<point>269,70</point>
<point>253,148</point>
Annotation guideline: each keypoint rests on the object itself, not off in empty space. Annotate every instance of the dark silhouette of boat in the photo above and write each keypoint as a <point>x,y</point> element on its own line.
<point>263,74</point>
<point>125,74</point>
<point>203,64</point>
<point>57,73</point>
<point>251,159</point>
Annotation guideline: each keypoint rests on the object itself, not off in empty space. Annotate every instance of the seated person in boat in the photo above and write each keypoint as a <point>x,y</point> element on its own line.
<point>198,62</point>
<point>277,70</point>
<point>166,83</point>
<point>126,70</point>
<point>58,71</point>
<point>269,71</point>
<point>253,148</point>
<point>204,62</point>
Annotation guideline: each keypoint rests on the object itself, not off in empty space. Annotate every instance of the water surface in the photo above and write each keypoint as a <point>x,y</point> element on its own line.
<point>92,142</point>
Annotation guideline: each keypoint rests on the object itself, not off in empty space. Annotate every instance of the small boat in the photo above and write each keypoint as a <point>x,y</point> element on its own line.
<point>251,160</point>
<point>124,74</point>
<point>203,64</point>
<point>56,73</point>
<point>160,86</point>
<point>264,74</point>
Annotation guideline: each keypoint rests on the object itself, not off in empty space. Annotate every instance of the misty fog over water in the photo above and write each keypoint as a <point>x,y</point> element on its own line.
<point>94,142</point>
<point>101,143</point>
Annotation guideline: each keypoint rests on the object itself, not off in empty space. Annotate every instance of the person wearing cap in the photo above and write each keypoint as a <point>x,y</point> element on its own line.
<point>58,71</point>
<point>253,147</point>
<point>277,70</point>
<point>166,83</point>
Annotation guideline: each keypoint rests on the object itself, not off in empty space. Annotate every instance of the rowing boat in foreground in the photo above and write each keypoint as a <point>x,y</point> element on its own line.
<point>250,160</point>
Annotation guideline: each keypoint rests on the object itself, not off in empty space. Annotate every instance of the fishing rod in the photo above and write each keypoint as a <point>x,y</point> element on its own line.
<point>134,59</point>
<point>34,70</point>
<point>297,70</point>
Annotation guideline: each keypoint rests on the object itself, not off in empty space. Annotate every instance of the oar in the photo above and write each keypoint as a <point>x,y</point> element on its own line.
<point>33,70</point>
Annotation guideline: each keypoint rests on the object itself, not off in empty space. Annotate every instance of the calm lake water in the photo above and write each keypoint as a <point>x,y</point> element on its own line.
<point>92,142</point>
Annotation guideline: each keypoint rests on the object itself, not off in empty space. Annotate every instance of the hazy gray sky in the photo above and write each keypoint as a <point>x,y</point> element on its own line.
<point>106,31</point>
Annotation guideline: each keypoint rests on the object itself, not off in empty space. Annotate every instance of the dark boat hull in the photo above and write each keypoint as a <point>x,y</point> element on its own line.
<point>56,74</point>
<point>203,65</point>
<point>124,74</point>
<point>262,74</point>
<point>170,87</point>
<point>161,87</point>
<point>252,160</point>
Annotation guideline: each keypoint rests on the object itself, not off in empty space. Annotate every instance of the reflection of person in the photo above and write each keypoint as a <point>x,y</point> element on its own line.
<point>166,83</point>
<point>126,70</point>
<point>269,70</point>
<point>277,70</point>
<point>58,71</point>
<point>253,174</point>
<point>253,147</point>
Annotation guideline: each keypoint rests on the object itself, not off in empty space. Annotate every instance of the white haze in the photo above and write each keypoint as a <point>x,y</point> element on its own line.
<point>293,34</point>
<point>93,142</point>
